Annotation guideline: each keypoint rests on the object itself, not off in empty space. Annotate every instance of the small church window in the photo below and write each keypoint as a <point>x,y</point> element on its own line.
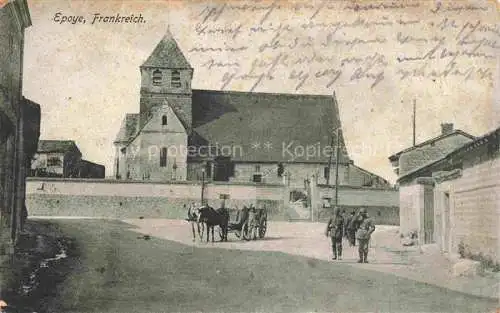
<point>257,178</point>
<point>164,120</point>
<point>281,169</point>
<point>176,79</point>
<point>163,157</point>
<point>326,172</point>
<point>157,77</point>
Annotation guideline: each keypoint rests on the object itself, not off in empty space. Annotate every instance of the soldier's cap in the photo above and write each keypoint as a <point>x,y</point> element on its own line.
<point>362,210</point>
<point>3,304</point>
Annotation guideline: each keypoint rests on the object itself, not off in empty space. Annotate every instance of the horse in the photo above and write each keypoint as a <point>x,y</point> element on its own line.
<point>212,218</point>
<point>192,218</point>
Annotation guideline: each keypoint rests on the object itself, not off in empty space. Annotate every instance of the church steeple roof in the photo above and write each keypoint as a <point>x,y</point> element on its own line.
<point>167,54</point>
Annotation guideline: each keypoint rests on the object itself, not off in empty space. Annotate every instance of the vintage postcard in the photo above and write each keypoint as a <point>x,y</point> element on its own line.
<point>249,156</point>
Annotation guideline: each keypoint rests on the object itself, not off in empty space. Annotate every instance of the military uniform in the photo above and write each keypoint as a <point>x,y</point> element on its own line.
<point>363,235</point>
<point>347,221</point>
<point>252,222</point>
<point>335,229</point>
<point>193,219</point>
<point>354,223</point>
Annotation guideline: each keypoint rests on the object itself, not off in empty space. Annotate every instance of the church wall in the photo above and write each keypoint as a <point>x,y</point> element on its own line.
<point>122,164</point>
<point>298,173</point>
<point>142,159</point>
<point>156,136</point>
<point>132,162</point>
<point>181,102</point>
<point>149,155</point>
<point>155,123</point>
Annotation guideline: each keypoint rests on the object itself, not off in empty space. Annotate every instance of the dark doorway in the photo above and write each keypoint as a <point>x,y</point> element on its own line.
<point>428,214</point>
<point>224,169</point>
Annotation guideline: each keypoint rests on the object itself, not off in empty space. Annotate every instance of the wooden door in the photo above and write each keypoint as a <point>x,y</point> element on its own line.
<point>428,214</point>
<point>446,218</point>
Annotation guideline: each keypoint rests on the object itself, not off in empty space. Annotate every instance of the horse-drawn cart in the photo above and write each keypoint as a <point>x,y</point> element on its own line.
<point>248,223</point>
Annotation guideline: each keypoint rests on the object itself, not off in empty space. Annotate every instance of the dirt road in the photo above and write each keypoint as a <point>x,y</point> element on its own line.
<point>307,239</point>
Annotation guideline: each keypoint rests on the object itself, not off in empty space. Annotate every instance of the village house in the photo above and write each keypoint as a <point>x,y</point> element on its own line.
<point>413,159</point>
<point>62,158</point>
<point>87,169</point>
<point>182,133</point>
<point>19,124</point>
<point>430,150</point>
<point>454,201</point>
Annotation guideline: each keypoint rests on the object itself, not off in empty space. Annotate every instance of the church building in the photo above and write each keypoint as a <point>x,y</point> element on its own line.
<point>182,133</point>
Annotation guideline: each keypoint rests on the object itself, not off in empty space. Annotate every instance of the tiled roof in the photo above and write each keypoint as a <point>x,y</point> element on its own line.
<point>85,162</point>
<point>132,125</point>
<point>259,127</point>
<point>430,141</point>
<point>31,124</point>
<point>167,55</point>
<point>372,175</point>
<point>32,115</point>
<point>128,128</point>
<point>57,146</point>
<point>489,137</point>
<point>262,125</point>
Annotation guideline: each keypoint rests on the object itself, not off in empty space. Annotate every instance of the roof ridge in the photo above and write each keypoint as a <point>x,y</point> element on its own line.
<point>150,114</point>
<point>428,141</point>
<point>263,93</point>
<point>58,140</point>
<point>177,114</point>
<point>167,54</point>
<point>464,146</point>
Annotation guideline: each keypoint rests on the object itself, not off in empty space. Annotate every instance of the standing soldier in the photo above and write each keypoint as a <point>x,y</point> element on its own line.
<point>352,227</point>
<point>252,222</point>
<point>335,229</point>
<point>193,219</point>
<point>347,221</point>
<point>363,234</point>
<point>344,230</point>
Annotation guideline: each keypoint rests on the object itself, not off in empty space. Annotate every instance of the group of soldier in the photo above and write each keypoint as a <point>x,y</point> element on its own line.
<point>356,226</point>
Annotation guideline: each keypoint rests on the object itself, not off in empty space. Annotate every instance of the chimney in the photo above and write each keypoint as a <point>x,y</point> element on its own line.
<point>446,128</point>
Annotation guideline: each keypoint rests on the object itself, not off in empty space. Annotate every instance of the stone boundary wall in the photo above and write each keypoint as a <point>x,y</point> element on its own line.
<point>135,199</point>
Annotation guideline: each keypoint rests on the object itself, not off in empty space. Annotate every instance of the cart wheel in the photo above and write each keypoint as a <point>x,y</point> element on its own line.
<point>245,231</point>
<point>263,228</point>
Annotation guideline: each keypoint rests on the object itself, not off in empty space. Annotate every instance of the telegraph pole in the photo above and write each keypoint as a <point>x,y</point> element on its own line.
<point>337,154</point>
<point>329,163</point>
<point>414,120</point>
<point>202,186</point>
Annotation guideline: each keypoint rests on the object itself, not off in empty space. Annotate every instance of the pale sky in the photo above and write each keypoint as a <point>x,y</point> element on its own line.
<point>86,77</point>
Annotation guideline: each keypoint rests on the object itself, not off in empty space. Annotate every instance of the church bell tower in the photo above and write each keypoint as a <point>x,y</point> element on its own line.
<point>167,75</point>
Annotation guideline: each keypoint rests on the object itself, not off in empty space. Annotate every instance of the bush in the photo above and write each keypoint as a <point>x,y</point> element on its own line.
<point>486,261</point>
<point>461,250</point>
